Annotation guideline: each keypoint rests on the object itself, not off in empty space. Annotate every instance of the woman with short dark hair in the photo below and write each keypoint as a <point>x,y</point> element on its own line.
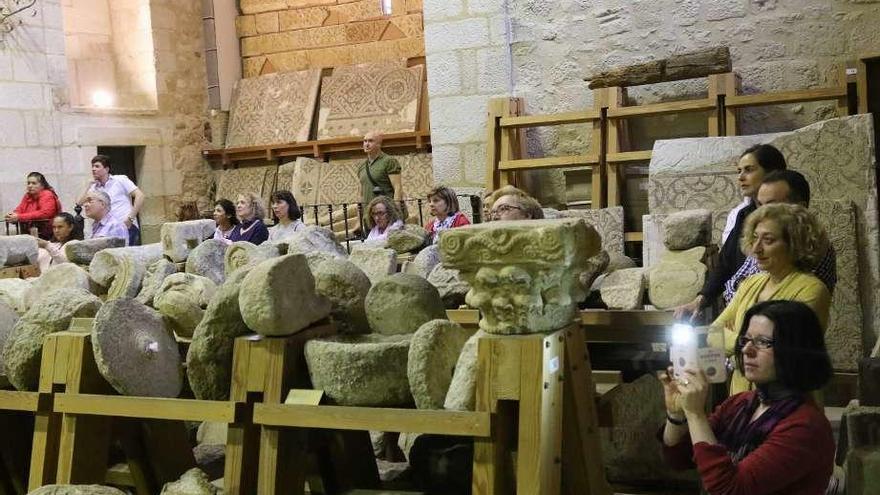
<point>443,205</point>
<point>771,440</point>
<point>286,214</point>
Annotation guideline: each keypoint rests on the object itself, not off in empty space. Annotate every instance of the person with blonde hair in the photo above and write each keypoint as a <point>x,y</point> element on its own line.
<point>443,205</point>
<point>250,212</point>
<point>382,218</point>
<point>788,242</point>
<point>516,207</point>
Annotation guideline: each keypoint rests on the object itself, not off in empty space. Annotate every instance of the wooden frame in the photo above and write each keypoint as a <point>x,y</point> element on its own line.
<point>610,147</point>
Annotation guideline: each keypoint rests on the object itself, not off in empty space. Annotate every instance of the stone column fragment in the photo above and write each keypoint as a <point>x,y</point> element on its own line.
<point>82,252</point>
<point>180,238</point>
<point>106,263</point>
<point>524,275</point>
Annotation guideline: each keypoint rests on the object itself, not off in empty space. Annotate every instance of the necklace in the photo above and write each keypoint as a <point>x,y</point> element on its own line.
<point>249,227</point>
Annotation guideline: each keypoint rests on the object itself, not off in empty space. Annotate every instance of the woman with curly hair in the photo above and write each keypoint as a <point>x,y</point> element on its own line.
<point>787,242</point>
<point>382,218</point>
<point>250,212</point>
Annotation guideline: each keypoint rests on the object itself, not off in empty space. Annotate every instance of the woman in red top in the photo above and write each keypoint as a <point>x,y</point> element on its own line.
<point>443,206</point>
<point>772,440</point>
<point>39,203</point>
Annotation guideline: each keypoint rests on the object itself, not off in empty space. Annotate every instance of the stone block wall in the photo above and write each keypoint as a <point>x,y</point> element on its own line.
<point>775,45</point>
<point>288,35</point>
<point>40,131</point>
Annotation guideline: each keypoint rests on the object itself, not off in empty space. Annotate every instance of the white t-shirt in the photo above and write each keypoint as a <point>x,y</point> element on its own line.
<point>119,188</point>
<point>278,231</point>
<point>731,218</point>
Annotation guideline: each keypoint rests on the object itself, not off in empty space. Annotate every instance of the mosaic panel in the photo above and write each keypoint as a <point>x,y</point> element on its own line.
<point>359,98</point>
<point>608,222</point>
<point>273,109</point>
<point>243,180</point>
<point>416,174</point>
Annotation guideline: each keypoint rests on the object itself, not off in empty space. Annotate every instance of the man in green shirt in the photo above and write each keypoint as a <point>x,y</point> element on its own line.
<point>379,173</point>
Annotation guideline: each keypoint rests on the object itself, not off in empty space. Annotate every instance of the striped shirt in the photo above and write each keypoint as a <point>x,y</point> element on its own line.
<point>826,271</point>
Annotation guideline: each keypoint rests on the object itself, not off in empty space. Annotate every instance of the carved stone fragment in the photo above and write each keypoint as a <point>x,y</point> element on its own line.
<point>313,238</point>
<point>243,253</point>
<point>596,265</point>
<point>673,283</point>
<point>461,395</point>
<point>48,315</point>
<point>278,297</point>
<point>209,359</point>
<point>401,303</point>
<point>182,299</point>
<point>361,370</point>
<point>524,275</point>
<point>82,252</point>
<point>106,263</point>
<point>687,229</point>
<point>376,263</point>
<point>206,260</point>
<point>624,289</point>
<point>180,238</point>
<point>193,482</point>
<point>450,285</point>
<point>346,286</point>
<point>128,278</point>
<point>57,277</point>
<point>425,261</point>
<point>156,273</point>
<point>619,262</point>
<point>408,239</point>
<point>433,354</point>
<point>134,350</point>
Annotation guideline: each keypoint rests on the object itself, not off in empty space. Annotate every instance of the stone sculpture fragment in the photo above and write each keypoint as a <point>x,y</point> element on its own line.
<point>433,355</point>
<point>180,238</point>
<point>401,303</point>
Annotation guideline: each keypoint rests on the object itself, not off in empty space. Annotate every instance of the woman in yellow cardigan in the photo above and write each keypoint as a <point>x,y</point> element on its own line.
<point>788,242</point>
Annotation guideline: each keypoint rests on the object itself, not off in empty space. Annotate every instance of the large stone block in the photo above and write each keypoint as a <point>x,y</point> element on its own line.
<point>57,277</point>
<point>624,289</point>
<point>209,359</point>
<point>687,229</point>
<point>106,263</point>
<point>24,346</point>
<point>179,238</point>
<point>182,299</point>
<point>346,286</point>
<point>18,250</point>
<point>278,297</point>
<point>401,303</point>
<point>377,263</point>
<point>524,275</point>
<point>673,283</point>
<point>408,239</point>
<point>433,354</point>
<point>361,370</point>
<point>311,239</point>
<point>134,350</point>
<point>242,253</point>
<point>82,252</point>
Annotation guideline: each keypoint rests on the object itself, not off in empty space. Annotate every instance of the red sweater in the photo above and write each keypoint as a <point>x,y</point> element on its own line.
<point>796,458</point>
<point>44,207</point>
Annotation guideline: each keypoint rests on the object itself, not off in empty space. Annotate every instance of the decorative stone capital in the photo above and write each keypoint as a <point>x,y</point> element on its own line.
<point>523,274</point>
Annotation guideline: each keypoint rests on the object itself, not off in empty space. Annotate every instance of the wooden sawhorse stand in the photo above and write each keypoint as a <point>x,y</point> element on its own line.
<point>534,395</point>
<point>17,412</point>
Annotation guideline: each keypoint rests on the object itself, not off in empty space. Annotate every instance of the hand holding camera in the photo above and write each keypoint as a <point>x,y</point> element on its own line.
<point>688,349</point>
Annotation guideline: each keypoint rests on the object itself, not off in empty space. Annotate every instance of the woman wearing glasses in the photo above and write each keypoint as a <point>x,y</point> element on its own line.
<point>382,218</point>
<point>516,207</point>
<point>771,440</point>
<point>788,242</point>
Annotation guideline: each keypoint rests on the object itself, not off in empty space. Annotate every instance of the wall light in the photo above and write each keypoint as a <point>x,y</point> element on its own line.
<point>102,99</point>
<point>386,6</point>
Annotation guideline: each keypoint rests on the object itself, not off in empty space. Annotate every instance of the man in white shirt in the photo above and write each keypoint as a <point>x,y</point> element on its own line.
<point>126,199</point>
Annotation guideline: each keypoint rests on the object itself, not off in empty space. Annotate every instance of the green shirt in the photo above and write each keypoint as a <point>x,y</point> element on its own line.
<point>380,169</point>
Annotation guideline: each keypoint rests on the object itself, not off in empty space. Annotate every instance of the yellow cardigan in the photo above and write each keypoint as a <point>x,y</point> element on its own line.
<point>796,286</point>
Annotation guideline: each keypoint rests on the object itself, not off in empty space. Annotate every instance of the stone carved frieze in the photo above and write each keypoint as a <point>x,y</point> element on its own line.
<point>523,274</point>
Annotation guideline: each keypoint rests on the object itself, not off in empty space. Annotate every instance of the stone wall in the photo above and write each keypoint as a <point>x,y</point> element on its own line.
<point>288,35</point>
<point>775,45</point>
<point>40,131</point>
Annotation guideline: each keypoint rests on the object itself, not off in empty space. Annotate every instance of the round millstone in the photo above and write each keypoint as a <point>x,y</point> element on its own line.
<point>401,303</point>
<point>134,350</point>
<point>346,286</point>
<point>52,313</point>
<point>433,354</point>
<point>361,370</point>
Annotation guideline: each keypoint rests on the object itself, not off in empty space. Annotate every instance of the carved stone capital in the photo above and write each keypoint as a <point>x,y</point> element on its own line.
<point>523,274</point>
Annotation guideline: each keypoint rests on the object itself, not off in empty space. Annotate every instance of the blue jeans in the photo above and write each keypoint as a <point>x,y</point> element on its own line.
<point>134,235</point>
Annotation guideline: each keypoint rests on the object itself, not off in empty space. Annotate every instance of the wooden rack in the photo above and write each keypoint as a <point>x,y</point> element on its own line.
<point>610,147</point>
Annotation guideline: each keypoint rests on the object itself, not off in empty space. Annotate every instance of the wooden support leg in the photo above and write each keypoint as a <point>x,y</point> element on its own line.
<point>44,450</point>
<point>582,470</point>
<point>83,449</point>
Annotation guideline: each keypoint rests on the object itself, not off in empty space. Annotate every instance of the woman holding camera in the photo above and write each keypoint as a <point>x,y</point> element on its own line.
<point>787,242</point>
<point>771,440</point>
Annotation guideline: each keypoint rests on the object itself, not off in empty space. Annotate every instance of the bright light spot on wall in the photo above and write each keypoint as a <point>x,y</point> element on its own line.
<point>386,6</point>
<point>102,99</point>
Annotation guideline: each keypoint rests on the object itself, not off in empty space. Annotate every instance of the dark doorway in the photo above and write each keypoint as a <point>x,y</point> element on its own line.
<point>121,160</point>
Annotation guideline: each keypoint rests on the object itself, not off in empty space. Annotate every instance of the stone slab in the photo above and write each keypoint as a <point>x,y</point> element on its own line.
<point>624,289</point>
<point>82,252</point>
<point>388,98</point>
<point>377,263</point>
<point>180,238</point>
<point>608,222</point>
<point>273,109</point>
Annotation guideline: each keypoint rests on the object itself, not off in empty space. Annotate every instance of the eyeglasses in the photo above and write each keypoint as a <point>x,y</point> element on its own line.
<point>503,209</point>
<point>758,342</point>
<point>379,213</point>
